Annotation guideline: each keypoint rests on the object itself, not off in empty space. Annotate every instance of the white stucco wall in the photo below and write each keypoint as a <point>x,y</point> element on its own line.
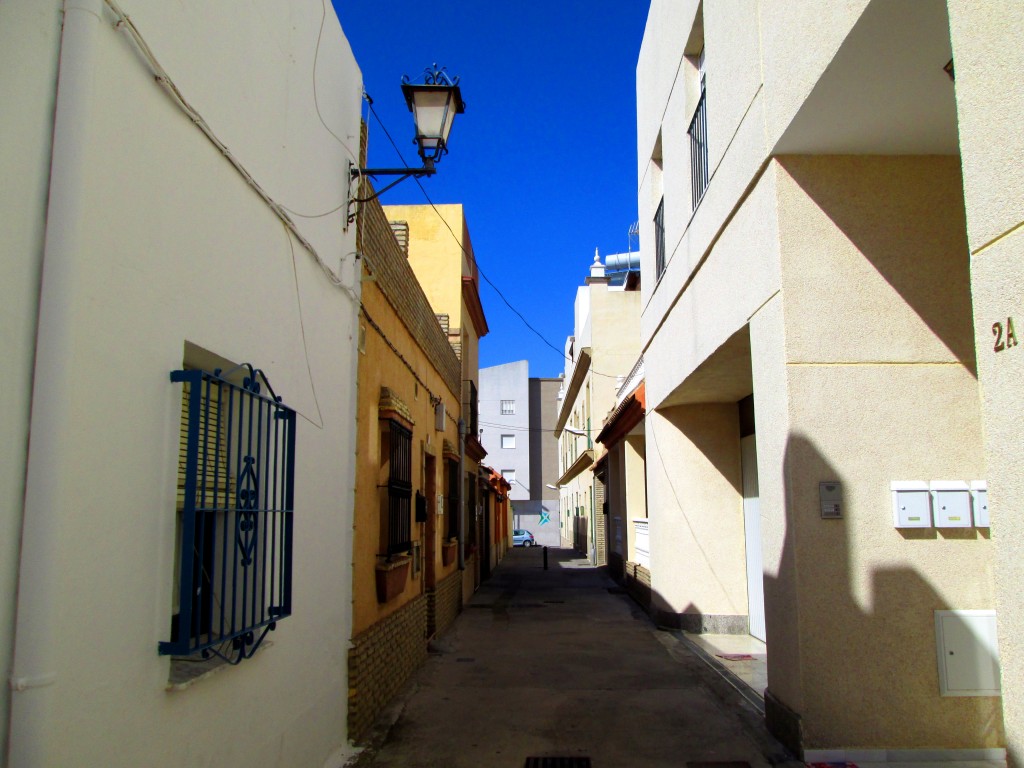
<point>696,515</point>
<point>153,239</point>
<point>29,35</point>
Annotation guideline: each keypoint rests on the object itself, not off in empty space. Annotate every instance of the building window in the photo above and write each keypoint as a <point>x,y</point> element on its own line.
<point>396,524</point>
<point>698,133</point>
<point>236,473</point>
<point>509,474</point>
<point>508,441</point>
<point>470,404</point>
<point>659,240</point>
<point>452,481</point>
<point>508,407</point>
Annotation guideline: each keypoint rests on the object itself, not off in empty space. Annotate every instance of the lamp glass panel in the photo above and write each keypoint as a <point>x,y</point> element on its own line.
<point>431,113</point>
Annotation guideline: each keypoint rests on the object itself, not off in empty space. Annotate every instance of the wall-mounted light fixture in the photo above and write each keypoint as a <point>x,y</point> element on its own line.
<point>434,104</point>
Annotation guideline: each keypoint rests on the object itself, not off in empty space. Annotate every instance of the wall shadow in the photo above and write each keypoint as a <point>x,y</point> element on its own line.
<point>852,652</point>
<point>905,215</point>
<point>852,656</point>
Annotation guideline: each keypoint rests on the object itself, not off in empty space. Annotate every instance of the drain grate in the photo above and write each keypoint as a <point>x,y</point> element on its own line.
<point>557,762</point>
<point>719,764</point>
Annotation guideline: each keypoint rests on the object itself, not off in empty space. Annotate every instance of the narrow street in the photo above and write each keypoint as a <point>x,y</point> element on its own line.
<point>562,664</point>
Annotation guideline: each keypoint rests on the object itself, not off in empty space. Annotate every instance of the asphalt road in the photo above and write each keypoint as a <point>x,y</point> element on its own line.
<point>562,664</point>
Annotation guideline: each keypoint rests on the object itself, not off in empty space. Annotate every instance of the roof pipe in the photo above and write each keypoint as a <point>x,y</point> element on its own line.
<point>34,680</point>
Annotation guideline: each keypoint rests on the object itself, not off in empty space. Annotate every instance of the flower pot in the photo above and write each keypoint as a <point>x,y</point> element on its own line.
<point>391,578</point>
<point>448,550</point>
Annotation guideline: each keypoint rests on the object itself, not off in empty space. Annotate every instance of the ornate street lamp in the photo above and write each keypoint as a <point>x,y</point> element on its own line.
<point>434,104</point>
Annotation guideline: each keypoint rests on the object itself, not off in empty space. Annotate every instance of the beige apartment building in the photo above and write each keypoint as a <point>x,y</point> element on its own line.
<point>621,467</point>
<point>406,585</point>
<point>442,258</point>
<point>602,349</point>
<point>830,356</point>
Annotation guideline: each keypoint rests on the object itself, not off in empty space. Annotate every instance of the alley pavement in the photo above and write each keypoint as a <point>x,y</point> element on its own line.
<point>561,663</point>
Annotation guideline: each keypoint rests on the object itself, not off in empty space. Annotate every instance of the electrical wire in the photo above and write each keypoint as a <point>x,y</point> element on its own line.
<point>472,258</point>
<point>649,427</point>
<point>316,58</point>
<point>539,430</point>
<point>319,114</point>
<point>164,80</point>
<point>302,329</point>
<point>380,332</point>
<point>315,215</point>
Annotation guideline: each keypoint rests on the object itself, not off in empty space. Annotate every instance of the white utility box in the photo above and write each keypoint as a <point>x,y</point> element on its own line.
<point>979,497</point>
<point>968,653</point>
<point>911,504</point>
<point>951,503</point>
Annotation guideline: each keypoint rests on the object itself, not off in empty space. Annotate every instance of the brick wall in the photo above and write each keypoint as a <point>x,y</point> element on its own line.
<point>444,603</point>
<point>380,660</point>
<point>637,581</point>
<point>388,264</point>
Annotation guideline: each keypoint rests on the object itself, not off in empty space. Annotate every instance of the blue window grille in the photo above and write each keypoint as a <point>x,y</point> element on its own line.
<point>236,496</point>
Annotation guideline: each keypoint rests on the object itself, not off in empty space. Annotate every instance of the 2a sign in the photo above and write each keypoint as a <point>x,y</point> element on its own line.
<point>1006,338</point>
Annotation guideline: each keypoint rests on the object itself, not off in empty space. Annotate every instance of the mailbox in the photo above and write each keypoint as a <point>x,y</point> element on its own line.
<point>911,504</point>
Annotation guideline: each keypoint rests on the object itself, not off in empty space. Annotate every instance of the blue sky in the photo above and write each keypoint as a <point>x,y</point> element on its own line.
<point>544,158</point>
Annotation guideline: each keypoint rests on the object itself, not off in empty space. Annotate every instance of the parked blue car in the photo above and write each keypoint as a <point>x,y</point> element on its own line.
<point>521,538</point>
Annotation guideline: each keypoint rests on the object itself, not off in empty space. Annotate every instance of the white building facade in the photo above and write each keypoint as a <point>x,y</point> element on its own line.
<point>149,151</point>
<point>505,423</point>
<point>511,407</point>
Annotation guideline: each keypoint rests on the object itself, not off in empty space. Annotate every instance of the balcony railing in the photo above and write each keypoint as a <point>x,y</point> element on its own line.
<point>659,240</point>
<point>630,382</point>
<point>698,133</point>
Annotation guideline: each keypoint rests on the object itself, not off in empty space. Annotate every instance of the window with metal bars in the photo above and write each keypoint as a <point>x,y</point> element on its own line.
<point>698,133</point>
<point>471,405</point>
<point>659,240</point>
<point>399,508</point>
<point>508,407</point>
<point>236,473</point>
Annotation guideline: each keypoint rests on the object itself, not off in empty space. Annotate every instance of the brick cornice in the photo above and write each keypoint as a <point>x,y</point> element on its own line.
<point>387,263</point>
